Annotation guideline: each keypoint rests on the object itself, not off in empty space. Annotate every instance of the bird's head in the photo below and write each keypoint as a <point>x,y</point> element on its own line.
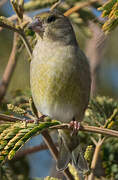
<point>53,25</point>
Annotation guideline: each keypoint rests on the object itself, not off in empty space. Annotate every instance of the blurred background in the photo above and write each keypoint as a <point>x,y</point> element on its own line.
<point>102,52</point>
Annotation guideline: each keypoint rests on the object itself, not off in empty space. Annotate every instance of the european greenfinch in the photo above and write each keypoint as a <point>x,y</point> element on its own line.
<point>59,77</point>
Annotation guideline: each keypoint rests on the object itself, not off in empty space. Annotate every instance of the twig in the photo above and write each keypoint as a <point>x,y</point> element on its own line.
<point>55,5</point>
<point>21,33</point>
<point>5,23</point>
<point>4,117</point>
<point>11,18</point>
<point>54,152</point>
<point>9,68</point>
<point>92,129</point>
<point>82,5</point>
<point>95,158</point>
<point>14,17</point>
<point>34,149</point>
<point>94,141</point>
<point>2,24</point>
<point>26,43</point>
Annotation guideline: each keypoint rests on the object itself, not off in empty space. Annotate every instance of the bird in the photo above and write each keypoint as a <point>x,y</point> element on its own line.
<point>60,78</point>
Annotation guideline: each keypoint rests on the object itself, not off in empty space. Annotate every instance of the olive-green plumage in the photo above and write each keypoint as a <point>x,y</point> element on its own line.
<point>59,71</point>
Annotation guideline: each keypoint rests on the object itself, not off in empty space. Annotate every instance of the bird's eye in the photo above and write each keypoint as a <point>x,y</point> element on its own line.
<point>51,19</point>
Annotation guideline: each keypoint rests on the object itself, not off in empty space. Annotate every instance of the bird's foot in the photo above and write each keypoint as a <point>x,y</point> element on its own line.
<point>27,121</point>
<point>40,119</point>
<point>76,126</point>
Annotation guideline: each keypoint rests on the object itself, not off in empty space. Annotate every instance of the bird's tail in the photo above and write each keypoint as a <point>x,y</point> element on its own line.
<point>71,151</point>
<point>64,156</point>
<point>79,162</point>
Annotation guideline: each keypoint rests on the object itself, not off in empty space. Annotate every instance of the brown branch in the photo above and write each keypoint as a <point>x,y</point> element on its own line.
<point>82,5</point>
<point>34,149</point>
<point>6,118</point>
<point>9,68</point>
<point>11,18</point>
<point>92,129</point>
<point>14,17</point>
<point>20,31</point>
<point>26,43</point>
<point>3,25</point>
<point>13,57</point>
<point>55,5</point>
<point>95,158</point>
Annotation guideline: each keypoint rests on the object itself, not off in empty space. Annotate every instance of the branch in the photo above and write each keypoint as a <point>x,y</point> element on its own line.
<point>34,149</point>
<point>26,43</point>
<point>11,18</point>
<point>9,68</point>
<point>6,118</point>
<point>55,5</point>
<point>5,23</point>
<point>14,17</point>
<point>9,26</point>
<point>92,129</point>
<point>95,158</point>
<point>82,5</point>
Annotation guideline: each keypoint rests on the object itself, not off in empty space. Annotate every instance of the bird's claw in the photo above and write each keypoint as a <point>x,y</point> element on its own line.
<point>75,125</point>
<point>40,119</point>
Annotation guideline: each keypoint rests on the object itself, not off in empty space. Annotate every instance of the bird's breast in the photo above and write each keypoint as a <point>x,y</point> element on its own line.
<point>56,82</point>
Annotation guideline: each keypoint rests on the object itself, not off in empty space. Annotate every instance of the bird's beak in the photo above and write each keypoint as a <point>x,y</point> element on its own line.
<point>36,25</point>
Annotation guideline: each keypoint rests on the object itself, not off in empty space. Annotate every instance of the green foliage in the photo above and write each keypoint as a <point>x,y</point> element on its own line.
<point>109,156</point>
<point>14,135</point>
<point>88,153</point>
<point>15,170</point>
<point>16,109</point>
<point>73,172</point>
<point>102,111</point>
<point>110,10</point>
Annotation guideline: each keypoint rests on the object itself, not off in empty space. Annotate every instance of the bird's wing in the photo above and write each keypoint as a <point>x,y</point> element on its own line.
<point>64,156</point>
